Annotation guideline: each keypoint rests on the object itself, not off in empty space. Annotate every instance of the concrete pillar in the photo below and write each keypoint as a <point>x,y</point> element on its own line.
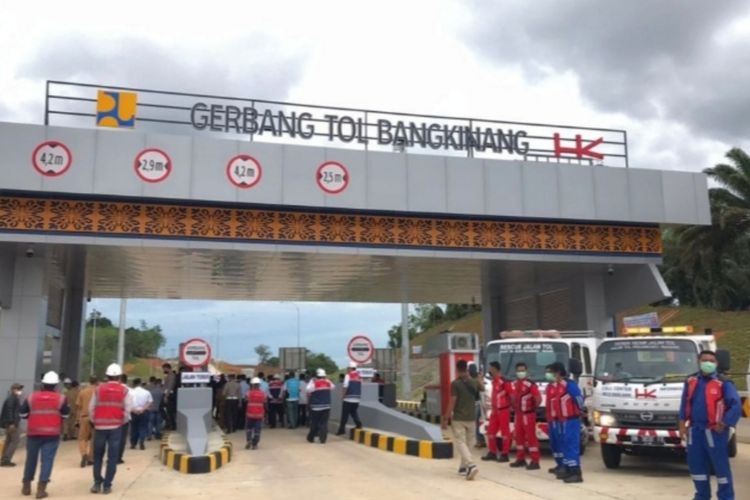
<point>74,311</point>
<point>23,325</point>
<point>492,303</point>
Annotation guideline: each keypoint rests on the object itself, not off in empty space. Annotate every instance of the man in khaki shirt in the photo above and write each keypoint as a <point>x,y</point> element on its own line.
<point>461,415</point>
<point>85,430</point>
<point>71,396</point>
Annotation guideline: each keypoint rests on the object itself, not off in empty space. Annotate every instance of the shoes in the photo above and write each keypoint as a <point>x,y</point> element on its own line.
<point>120,462</point>
<point>462,471</point>
<point>489,457</point>
<point>340,433</point>
<point>106,491</point>
<point>322,441</point>
<point>518,463</point>
<point>471,472</point>
<point>247,446</point>
<point>255,447</point>
<point>83,462</point>
<point>142,446</point>
<point>41,489</point>
<point>503,458</point>
<point>562,473</point>
<point>7,464</point>
<point>132,447</point>
<point>97,488</point>
<point>533,466</point>
<point>310,440</point>
<point>554,470</point>
<point>89,462</point>
<point>26,488</point>
<point>575,476</point>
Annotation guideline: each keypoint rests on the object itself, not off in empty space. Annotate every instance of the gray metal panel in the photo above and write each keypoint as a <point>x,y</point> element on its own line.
<point>703,205</point>
<point>79,178</point>
<point>17,143</point>
<point>503,188</point>
<point>300,165</point>
<point>426,183</point>
<point>209,179</point>
<point>465,179</point>
<point>576,191</point>
<point>611,194</point>
<point>355,194</point>
<point>269,189</point>
<point>179,149</point>
<point>645,195</point>
<point>115,157</point>
<point>679,197</point>
<point>540,191</point>
<point>386,181</point>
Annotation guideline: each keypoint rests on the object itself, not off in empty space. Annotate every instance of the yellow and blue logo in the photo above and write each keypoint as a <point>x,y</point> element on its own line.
<point>116,109</point>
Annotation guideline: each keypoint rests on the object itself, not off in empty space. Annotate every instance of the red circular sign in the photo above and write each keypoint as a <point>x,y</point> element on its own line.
<point>51,158</point>
<point>244,171</point>
<point>332,177</point>
<point>360,349</point>
<point>153,165</point>
<point>195,353</point>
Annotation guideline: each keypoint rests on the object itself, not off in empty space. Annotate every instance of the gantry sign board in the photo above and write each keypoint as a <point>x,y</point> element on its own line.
<point>272,121</point>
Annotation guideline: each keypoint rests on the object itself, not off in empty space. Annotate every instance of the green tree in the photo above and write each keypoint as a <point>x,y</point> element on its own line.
<point>274,361</point>
<point>320,360</point>
<point>263,352</point>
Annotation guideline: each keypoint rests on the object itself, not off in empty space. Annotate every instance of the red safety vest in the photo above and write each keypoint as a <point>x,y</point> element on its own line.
<point>714,399</point>
<point>568,405</point>
<point>110,405</point>
<point>526,397</point>
<point>256,404</point>
<point>552,408</point>
<point>320,397</point>
<point>501,393</point>
<point>45,418</point>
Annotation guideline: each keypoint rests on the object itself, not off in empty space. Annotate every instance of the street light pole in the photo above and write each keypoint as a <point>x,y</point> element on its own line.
<point>94,316</point>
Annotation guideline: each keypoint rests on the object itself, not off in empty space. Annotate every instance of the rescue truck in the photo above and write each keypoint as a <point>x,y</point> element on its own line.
<point>638,384</point>
<point>539,348</point>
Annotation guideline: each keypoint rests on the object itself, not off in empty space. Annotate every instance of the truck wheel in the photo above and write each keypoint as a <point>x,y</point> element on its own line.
<point>611,455</point>
<point>733,446</point>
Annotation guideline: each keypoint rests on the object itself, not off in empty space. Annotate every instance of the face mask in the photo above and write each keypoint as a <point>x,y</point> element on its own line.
<point>549,377</point>
<point>521,375</point>
<point>18,393</point>
<point>708,367</point>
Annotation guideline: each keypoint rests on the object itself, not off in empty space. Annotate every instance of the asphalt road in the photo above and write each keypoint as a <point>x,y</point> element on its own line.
<point>287,467</point>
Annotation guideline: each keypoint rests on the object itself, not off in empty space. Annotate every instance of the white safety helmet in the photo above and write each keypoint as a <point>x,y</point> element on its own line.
<point>67,381</point>
<point>320,372</point>
<point>50,378</point>
<point>113,370</point>
<point>352,364</point>
<point>255,381</point>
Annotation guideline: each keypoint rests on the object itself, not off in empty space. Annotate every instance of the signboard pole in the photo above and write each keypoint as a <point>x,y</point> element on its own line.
<point>405,351</point>
<point>121,333</point>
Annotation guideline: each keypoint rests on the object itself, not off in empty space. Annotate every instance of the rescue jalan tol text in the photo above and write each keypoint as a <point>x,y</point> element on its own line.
<point>250,120</point>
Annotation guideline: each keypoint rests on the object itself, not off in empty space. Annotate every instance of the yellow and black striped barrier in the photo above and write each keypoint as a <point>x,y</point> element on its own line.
<point>746,407</point>
<point>421,415</point>
<point>408,405</point>
<point>403,446</point>
<point>195,464</point>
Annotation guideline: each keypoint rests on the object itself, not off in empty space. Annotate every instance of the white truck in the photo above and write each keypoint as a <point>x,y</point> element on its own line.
<point>638,384</point>
<point>539,348</point>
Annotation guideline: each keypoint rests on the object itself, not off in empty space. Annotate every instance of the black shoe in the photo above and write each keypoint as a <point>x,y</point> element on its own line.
<point>533,466</point>
<point>562,473</point>
<point>518,463</point>
<point>7,464</point>
<point>489,457</point>
<point>132,447</point>
<point>471,472</point>
<point>340,433</point>
<point>310,440</point>
<point>503,458</point>
<point>106,491</point>
<point>247,446</point>
<point>142,446</point>
<point>97,488</point>
<point>462,470</point>
<point>554,470</point>
<point>120,462</point>
<point>89,462</point>
<point>575,476</point>
<point>255,447</point>
<point>322,441</point>
<point>83,462</point>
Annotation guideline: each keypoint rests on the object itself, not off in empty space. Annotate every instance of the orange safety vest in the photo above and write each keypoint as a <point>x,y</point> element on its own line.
<point>110,405</point>
<point>714,399</point>
<point>45,417</point>
<point>501,392</point>
<point>526,396</point>
<point>256,404</point>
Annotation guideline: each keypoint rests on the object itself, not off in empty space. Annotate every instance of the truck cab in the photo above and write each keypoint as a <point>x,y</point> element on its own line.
<point>638,386</point>
<point>539,348</point>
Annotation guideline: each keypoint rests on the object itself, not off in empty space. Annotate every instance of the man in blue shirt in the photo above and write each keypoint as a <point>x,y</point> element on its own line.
<point>710,406</point>
<point>570,410</point>
<point>291,390</point>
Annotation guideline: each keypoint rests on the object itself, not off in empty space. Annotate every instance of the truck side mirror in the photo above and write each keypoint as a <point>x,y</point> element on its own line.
<point>724,360</point>
<point>575,367</point>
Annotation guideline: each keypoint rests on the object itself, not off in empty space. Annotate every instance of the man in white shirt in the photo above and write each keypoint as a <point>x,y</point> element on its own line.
<point>141,399</point>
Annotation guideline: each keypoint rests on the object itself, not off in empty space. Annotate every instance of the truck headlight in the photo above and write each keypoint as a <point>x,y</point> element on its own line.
<point>604,419</point>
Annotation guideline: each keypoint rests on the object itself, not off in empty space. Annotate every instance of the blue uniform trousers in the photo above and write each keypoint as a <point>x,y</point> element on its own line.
<point>555,440</point>
<point>571,442</point>
<point>706,448</point>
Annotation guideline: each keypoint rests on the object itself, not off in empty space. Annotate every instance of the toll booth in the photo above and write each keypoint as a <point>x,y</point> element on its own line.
<point>448,348</point>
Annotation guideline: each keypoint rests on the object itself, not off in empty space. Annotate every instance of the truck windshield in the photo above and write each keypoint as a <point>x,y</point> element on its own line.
<point>536,355</point>
<point>646,360</point>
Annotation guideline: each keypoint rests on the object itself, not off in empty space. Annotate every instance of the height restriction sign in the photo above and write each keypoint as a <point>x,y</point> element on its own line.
<point>332,177</point>
<point>360,349</point>
<point>244,171</point>
<point>153,165</point>
<point>51,158</point>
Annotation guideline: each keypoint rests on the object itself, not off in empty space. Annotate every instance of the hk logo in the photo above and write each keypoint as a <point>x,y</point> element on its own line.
<point>645,394</point>
<point>579,150</point>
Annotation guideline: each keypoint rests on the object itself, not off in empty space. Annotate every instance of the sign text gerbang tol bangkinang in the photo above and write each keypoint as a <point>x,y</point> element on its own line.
<point>347,129</point>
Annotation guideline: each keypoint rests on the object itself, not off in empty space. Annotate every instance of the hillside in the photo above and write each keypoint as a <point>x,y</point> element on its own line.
<point>732,330</point>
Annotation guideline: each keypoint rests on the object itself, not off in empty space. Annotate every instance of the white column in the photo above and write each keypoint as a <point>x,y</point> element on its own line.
<point>405,352</point>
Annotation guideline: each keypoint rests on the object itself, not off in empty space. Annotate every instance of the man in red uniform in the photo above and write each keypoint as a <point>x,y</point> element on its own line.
<point>109,410</point>
<point>499,423</point>
<point>526,400</point>
<point>45,411</point>
<point>254,414</point>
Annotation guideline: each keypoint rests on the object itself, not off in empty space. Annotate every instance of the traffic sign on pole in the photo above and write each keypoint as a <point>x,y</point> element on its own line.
<point>195,353</point>
<point>360,349</point>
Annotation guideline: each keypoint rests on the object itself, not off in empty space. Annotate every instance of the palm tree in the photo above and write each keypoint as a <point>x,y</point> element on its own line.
<point>733,194</point>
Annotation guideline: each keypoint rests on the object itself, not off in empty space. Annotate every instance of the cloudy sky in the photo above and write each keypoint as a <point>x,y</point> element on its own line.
<point>673,73</point>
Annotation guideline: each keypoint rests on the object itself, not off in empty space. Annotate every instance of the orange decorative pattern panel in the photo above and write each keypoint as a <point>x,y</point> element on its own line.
<point>101,218</point>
